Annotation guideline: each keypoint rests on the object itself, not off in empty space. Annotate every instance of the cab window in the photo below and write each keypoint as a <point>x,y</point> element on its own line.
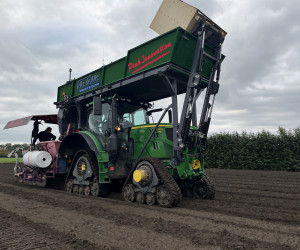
<point>100,124</point>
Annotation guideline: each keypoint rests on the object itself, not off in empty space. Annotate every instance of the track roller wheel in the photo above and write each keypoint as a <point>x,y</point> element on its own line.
<point>163,196</point>
<point>75,189</point>
<point>85,170</point>
<point>99,189</point>
<point>81,189</point>
<point>146,175</point>
<point>95,189</point>
<point>204,188</point>
<point>150,199</point>
<point>87,190</point>
<point>140,198</point>
<point>69,186</point>
<point>128,193</point>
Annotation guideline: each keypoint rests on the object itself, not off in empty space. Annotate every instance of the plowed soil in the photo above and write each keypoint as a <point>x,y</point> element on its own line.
<point>252,210</point>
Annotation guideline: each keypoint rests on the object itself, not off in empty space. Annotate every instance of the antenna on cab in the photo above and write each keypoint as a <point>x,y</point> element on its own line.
<point>70,70</point>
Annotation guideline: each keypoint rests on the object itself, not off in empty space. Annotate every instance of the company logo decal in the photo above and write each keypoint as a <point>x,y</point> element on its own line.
<point>87,83</point>
<point>144,61</point>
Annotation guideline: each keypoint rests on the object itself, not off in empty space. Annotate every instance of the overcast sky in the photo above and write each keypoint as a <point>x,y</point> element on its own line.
<point>41,40</point>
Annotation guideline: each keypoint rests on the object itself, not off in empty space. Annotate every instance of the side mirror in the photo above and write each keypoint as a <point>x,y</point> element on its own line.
<point>97,105</point>
<point>149,112</point>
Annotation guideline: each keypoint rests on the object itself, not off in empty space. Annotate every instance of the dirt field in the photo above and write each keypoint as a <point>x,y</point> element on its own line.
<point>252,209</point>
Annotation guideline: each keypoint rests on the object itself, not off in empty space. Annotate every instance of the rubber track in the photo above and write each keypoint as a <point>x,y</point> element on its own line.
<point>166,179</point>
<point>211,189</point>
<point>104,188</point>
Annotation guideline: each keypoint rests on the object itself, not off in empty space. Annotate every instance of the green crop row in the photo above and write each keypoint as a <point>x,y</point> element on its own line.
<point>258,151</point>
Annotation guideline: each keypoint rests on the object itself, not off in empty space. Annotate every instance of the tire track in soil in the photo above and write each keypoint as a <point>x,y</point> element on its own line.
<point>162,225</point>
<point>254,213</point>
<point>265,181</point>
<point>251,173</point>
<point>18,232</point>
<point>291,189</point>
<point>100,231</point>
<point>262,202</point>
<point>260,211</point>
<point>188,223</point>
<point>283,180</point>
<point>260,193</point>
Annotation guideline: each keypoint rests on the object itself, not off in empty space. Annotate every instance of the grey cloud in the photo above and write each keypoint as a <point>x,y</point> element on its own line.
<point>41,40</point>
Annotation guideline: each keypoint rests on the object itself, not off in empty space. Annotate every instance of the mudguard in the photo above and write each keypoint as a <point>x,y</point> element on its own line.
<point>85,140</point>
<point>80,141</point>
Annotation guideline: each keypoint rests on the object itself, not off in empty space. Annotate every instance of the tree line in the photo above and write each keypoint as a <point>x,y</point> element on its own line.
<point>5,149</point>
<point>258,151</point>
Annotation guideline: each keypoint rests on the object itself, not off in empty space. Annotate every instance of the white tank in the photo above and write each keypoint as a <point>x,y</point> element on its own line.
<point>38,159</point>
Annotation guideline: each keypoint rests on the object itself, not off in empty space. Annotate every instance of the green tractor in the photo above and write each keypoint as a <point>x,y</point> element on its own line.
<point>106,127</point>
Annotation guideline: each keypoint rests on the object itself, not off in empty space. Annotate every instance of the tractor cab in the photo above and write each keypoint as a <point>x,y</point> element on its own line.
<point>127,114</point>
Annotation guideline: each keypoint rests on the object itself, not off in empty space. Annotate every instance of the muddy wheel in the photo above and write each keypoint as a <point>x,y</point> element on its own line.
<point>95,189</point>
<point>163,196</point>
<point>99,189</point>
<point>140,198</point>
<point>69,186</point>
<point>128,193</point>
<point>204,188</point>
<point>81,189</point>
<point>150,199</point>
<point>87,190</point>
<point>75,189</point>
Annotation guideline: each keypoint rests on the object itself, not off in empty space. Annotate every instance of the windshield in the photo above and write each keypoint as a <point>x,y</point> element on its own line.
<point>128,116</point>
<point>100,124</point>
<point>134,118</point>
